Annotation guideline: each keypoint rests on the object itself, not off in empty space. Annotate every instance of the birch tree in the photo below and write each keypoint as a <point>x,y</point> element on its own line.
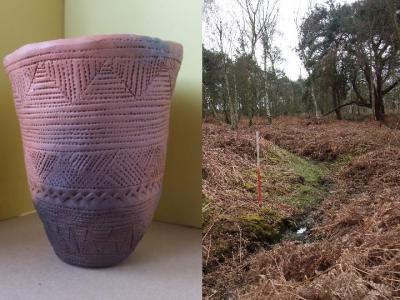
<point>258,24</point>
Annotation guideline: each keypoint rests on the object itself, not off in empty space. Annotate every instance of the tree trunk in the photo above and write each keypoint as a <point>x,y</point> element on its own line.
<point>336,103</point>
<point>213,110</point>
<point>236,102</point>
<point>338,114</point>
<point>267,99</point>
<point>379,107</point>
<point>250,116</point>
<point>372,97</point>
<point>232,105</point>
<point>225,109</point>
<point>268,110</point>
<point>317,111</point>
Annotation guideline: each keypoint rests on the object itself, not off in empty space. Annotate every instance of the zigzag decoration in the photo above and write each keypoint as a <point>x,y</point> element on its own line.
<point>98,198</point>
<point>144,69</point>
<point>118,168</point>
<point>52,82</point>
<point>74,75</point>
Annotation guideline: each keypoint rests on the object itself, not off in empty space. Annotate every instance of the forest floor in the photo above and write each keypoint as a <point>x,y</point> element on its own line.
<point>330,224</point>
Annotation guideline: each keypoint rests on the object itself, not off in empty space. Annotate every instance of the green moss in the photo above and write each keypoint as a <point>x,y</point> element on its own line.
<point>256,228</point>
<point>264,226</point>
<point>303,196</point>
<point>275,155</point>
<point>312,173</point>
<point>304,180</point>
<point>269,214</point>
<point>260,228</point>
<point>250,187</point>
<point>252,174</point>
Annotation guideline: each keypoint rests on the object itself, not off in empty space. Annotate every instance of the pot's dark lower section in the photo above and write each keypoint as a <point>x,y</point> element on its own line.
<point>92,238</point>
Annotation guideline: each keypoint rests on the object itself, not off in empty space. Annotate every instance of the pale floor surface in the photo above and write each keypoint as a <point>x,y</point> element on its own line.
<point>165,265</point>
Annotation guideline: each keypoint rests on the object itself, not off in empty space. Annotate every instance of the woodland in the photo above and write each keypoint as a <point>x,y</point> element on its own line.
<point>350,54</point>
<point>328,226</point>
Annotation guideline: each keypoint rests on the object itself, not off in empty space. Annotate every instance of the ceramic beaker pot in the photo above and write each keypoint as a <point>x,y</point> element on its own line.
<point>94,115</point>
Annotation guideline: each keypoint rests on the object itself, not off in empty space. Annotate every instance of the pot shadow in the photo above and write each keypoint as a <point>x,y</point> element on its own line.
<point>180,201</point>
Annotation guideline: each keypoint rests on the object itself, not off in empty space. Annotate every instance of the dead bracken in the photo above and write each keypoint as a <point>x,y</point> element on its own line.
<point>351,197</point>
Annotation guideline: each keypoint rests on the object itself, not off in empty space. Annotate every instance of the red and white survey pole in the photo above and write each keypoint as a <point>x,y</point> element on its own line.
<point>258,169</point>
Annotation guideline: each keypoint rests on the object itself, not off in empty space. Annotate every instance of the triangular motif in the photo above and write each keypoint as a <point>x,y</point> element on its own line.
<point>156,164</point>
<point>160,86</point>
<point>21,80</point>
<point>137,73</point>
<point>44,87</point>
<point>40,164</point>
<point>106,84</point>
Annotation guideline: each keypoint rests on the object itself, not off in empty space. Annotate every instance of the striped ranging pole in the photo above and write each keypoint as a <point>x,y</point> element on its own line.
<point>258,169</point>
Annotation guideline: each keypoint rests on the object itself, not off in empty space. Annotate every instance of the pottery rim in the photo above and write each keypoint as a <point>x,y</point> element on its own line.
<point>106,41</point>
